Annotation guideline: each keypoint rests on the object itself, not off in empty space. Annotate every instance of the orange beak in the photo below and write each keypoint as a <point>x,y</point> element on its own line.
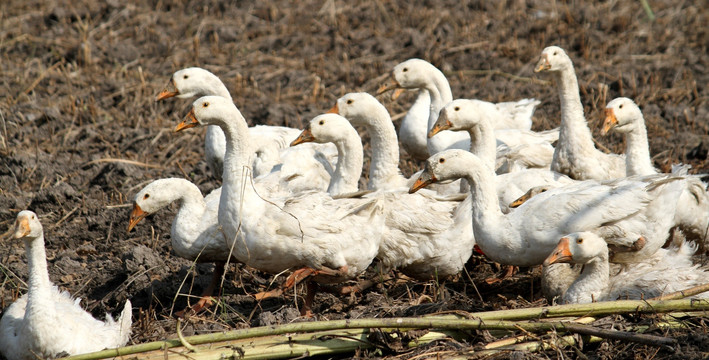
<point>169,91</point>
<point>333,110</point>
<point>391,85</point>
<point>135,216</point>
<point>441,124</point>
<point>22,228</point>
<point>609,122</point>
<point>561,253</point>
<point>424,180</point>
<point>189,121</point>
<point>305,136</point>
<point>543,64</point>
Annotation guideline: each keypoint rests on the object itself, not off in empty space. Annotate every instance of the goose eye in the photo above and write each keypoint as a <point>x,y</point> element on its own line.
<point>405,70</point>
<point>555,53</point>
<point>350,101</point>
<point>146,196</point>
<point>205,104</point>
<point>186,76</point>
<point>442,160</point>
<point>457,108</point>
<point>322,122</point>
<point>620,106</point>
<point>579,241</point>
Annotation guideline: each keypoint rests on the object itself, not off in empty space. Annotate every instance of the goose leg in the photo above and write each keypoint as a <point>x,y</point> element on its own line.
<point>311,289</point>
<point>510,270</point>
<point>205,299</point>
<point>298,276</point>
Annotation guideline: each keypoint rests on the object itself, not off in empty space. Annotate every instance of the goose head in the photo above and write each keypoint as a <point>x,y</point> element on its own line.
<point>577,248</point>
<point>412,73</point>
<point>356,107</point>
<point>207,110</point>
<point>553,58</point>
<point>325,128</point>
<point>151,199</point>
<point>622,115</point>
<point>446,165</point>
<point>458,115</point>
<point>27,226</point>
<point>189,82</point>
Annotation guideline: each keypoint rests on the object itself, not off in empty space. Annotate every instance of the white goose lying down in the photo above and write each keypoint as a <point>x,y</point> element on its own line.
<point>268,141</point>
<point>423,237</point>
<point>195,233</point>
<point>46,322</point>
<point>632,213</point>
<point>666,271</point>
<point>624,116</point>
<point>420,74</point>
<point>333,239</point>
<point>574,154</point>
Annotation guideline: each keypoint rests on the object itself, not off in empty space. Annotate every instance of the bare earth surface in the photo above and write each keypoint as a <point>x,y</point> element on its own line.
<point>81,133</point>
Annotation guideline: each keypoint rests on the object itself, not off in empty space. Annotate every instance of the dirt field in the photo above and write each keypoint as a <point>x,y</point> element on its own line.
<point>81,133</point>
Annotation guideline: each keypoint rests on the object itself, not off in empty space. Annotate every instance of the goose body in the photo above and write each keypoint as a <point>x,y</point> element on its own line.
<point>273,234</point>
<point>666,271</point>
<point>268,141</point>
<point>46,322</point>
<point>423,237</point>
<point>623,211</point>
<point>575,154</point>
<point>420,74</point>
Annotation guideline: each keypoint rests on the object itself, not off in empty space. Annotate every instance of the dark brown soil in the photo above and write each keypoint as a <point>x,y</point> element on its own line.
<point>80,131</point>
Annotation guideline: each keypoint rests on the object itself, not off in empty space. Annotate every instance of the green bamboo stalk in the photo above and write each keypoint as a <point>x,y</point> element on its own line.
<point>648,10</point>
<point>493,320</point>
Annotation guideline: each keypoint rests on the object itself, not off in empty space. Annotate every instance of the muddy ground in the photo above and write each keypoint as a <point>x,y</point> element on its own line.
<point>80,131</point>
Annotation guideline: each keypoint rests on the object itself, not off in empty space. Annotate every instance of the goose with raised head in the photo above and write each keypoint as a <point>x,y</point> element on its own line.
<point>471,116</point>
<point>365,110</point>
<point>624,116</point>
<point>268,141</point>
<point>666,271</point>
<point>420,74</point>
<point>629,213</point>
<point>334,238</point>
<point>48,323</point>
<point>195,233</point>
<point>575,154</point>
<point>335,129</point>
<point>423,237</point>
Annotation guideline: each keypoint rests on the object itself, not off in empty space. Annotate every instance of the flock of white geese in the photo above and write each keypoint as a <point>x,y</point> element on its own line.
<point>290,200</point>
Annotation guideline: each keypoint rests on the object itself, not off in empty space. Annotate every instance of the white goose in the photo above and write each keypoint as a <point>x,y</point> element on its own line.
<point>624,116</point>
<point>666,271</point>
<point>423,237</point>
<point>575,155</point>
<point>335,129</point>
<point>46,322</point>
<point>195,232</point>
<point>629,212</point>
<point>334,238</point>
<point>384,173</point>
<point>268,141</point>
<point>471,116</point>
<point>420,74</point>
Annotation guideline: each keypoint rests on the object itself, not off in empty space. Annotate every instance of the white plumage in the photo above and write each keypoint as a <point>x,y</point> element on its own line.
<point>46,322</point>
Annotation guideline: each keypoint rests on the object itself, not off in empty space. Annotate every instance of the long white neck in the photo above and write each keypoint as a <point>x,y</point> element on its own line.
<point>440,91</point>
<point>40,305</point>
<point>237,176</point>
<point>637,151</point>
<point>384,168</point>
<point>573,124</point>
<point>489,224</point>
<point>349,165</point>
<point>483,142</point>
<point>187,225</point>
<point>592,284</point>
